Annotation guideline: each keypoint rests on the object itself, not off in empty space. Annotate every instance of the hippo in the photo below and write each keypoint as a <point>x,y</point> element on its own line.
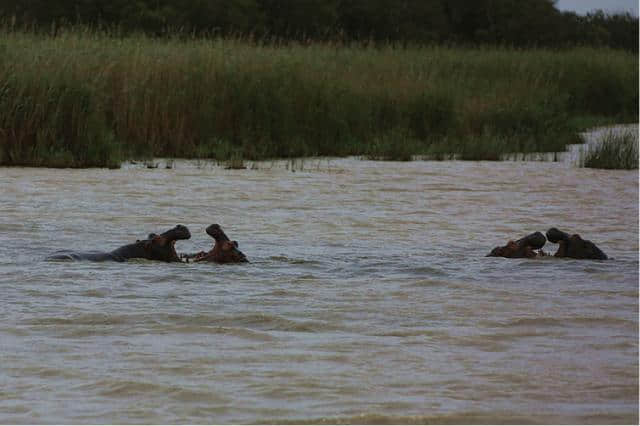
<point>574,246</point>
<point>155,247</point>
<point>224,250</point>
<point>523,248</point>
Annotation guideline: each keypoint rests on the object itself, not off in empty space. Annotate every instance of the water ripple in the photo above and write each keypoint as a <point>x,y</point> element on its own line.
<point>368,298</point>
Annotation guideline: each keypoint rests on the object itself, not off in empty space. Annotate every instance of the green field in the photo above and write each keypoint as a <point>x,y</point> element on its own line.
<point>85,99</point>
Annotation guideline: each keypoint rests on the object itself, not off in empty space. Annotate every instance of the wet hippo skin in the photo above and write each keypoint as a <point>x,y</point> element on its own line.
<point>525,247</point>
<point>574,246</point>
<point>155,247</point>
<point>224,250</point>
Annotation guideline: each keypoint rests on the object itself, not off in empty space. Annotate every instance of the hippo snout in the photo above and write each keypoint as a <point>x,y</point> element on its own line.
<point>536,240</point>
<point>213,230</point>
<point>554,235</point>
<point>216,232</point>
<point>182,232</point>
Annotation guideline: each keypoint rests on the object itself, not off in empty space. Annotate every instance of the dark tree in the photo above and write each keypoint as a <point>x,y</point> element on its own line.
<point>516,23</point>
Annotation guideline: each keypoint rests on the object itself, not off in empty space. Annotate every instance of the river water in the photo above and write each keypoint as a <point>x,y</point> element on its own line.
<point>368,298</point>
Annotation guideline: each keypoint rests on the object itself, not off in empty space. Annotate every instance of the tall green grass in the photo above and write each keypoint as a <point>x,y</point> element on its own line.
<point>86,99</point>
<point>614,151</point>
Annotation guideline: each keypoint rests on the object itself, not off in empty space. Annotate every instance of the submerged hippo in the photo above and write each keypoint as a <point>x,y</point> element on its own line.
<point>224,250</point>
<point>155,247</point>
<point>522,248</point>
<point>574,246</point>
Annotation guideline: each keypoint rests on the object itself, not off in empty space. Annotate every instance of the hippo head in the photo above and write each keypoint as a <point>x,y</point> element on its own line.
<point>535,240</point>
<point>524,247</point>
<point>224,250</point>
<point>505,251</point>
<point>229,253</point>
<point>574,246</point>
<point>162,247</point>
<point>513,250</point>
<point>555,235</point>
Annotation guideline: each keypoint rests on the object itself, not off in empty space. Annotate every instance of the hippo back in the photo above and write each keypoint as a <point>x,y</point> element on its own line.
<point>94,256</point>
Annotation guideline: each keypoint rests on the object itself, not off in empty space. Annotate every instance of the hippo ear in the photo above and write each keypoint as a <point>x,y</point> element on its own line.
<point>235,243</point>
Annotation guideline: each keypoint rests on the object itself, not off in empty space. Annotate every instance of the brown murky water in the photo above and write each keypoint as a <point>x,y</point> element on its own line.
<point>368,298</point>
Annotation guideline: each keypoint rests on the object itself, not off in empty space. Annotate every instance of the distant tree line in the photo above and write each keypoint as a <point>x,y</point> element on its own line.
<point>517,23</point>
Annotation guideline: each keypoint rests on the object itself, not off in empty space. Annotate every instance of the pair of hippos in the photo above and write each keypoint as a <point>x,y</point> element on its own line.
<point>162,247</point>
<point>572,246</point>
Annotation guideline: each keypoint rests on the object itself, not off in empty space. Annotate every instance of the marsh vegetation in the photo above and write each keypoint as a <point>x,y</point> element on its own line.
<point>84,98</point>
<point>614,151</point>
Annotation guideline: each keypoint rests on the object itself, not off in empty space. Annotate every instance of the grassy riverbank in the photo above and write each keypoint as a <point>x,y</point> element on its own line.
<point>614,151</point>
<point>84,99</point>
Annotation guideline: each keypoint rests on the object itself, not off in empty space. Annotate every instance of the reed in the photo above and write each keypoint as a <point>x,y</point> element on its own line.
<point>614,151</point>
<point>84,98</point>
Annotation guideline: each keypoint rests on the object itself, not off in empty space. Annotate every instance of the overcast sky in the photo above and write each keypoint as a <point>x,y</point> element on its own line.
<point>584,6</point>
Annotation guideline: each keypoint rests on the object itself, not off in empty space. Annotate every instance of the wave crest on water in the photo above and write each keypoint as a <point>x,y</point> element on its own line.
<point>247,324</point>
<point>382,419</point>
<point>570,321</point>
<point>487,417</point>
